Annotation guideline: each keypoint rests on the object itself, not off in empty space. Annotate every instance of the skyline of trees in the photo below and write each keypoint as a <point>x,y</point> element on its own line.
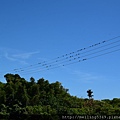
<point>22,97</point>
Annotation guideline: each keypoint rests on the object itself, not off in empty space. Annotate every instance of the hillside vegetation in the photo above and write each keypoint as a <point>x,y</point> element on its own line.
<point>24,98</point>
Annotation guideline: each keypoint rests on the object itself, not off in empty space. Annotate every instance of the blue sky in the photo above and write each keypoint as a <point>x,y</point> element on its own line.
<point>33,31</point>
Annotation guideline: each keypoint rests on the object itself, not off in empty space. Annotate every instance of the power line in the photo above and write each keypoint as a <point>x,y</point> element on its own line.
<point>82,60</point>
<point>70,57</point>
<point>66,56</point>
<point>78,59</point>
<point>74,57</point>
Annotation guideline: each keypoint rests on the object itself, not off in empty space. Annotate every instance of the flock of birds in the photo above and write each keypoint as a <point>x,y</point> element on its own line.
<point>90,52</point>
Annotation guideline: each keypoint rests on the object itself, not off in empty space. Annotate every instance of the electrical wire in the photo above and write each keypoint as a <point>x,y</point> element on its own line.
<point>82,60</point>
<point>75,57</point>
<point>45,63</point>
<point>68,58</point>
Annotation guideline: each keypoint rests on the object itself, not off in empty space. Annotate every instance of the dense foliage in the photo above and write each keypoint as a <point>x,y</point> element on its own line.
<point>24,98</point>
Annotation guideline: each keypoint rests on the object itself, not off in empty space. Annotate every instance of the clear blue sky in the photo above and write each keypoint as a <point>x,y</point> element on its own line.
<point>32,31</point>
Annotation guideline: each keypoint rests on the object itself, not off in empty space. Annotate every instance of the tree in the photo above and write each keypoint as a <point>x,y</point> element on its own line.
<point>19,96</point>
<point>10,93</point>
<point>89,94</point>
<point>32,80</point>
